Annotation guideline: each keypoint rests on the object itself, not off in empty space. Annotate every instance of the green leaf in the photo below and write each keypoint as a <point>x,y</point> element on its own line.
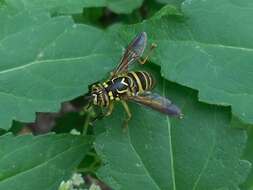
<point>45,61</point>
<point>217,62</point>
<point>51,158</point>
<point>124,6</point>
<point>76,6</point>
<point>209,49</point>
<point>248,154</point>
<point>200,151</point>
<point>171,2</point>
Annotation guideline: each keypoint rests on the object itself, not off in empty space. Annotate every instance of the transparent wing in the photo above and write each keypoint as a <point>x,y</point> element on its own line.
<point>157,102</point>
<point>133,52</point>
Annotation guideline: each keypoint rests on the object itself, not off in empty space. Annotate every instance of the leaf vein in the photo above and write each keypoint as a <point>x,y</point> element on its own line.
<point>41,164</point>
<point>170,145</point>
<point>48,61</point>
<point>142,163</point>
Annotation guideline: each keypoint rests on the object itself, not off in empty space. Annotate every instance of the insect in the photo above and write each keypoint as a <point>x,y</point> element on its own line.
<point>136,86</point>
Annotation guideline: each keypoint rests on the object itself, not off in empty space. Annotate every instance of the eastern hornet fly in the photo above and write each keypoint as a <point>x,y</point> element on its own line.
<point>124,85</point>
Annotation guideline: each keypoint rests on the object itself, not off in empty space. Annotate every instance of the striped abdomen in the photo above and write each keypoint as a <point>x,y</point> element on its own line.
<point>140,81</point>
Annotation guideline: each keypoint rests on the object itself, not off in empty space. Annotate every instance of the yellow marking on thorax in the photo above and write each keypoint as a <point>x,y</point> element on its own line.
<point>110,95</point>
<point>122,91</point>
<point>123,81</point>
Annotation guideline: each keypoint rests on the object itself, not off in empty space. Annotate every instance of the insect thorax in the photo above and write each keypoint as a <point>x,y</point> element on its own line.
<point>122,86</point>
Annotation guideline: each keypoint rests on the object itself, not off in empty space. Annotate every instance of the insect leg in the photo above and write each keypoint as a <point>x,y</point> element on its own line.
<point>110,109</point>
<point>129,115</point>
<point>152,47</point>
<point>86,109</point>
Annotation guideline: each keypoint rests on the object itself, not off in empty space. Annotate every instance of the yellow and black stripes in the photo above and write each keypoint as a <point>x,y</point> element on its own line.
<point>142,81</point>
